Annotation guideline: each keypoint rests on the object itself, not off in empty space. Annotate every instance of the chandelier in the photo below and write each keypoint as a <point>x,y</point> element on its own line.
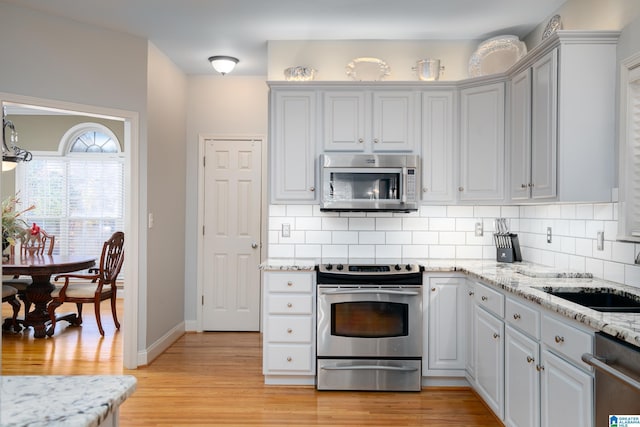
<point>11,153</point>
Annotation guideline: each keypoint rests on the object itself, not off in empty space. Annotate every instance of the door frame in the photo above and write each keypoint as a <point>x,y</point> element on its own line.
<point>202,138</point>
<point>135,307</point>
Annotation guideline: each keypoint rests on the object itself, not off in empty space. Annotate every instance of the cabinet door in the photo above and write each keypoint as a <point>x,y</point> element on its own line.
<point>520,142</point>
<point>344,121</point>
<point>446,323</point>
<point>394,121</point>
<point>437,146</point>
<point>544,128</point>
<point>522,381</point>
<point>490,360</point>
<point>293,149</point>
<point>567,394</point>
<point>470,311</point>
<point>482,143</point>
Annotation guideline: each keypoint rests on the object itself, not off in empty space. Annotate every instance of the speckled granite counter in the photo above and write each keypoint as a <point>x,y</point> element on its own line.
<point>526,280</point>
<point>83,400</point>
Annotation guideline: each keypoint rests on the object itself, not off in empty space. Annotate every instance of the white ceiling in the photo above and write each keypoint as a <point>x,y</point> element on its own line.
<point>189,31</point>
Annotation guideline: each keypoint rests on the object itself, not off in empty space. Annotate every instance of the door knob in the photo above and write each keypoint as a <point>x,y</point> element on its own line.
<point>254,245</point>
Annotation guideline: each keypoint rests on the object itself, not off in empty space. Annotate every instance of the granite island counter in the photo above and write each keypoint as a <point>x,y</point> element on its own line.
<point>57,400</point>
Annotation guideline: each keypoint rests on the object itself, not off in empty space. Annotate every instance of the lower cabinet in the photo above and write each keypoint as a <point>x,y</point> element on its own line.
<point>489,360</point>
<point>522,380</point>
<point>289,353</point>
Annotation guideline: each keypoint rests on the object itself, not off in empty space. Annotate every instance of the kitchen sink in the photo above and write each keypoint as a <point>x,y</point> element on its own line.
<point>606,300</point>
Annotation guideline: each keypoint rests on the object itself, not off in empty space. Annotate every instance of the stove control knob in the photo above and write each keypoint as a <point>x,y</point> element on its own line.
<point>340,267</point>
<point>329,267</point>
<point>408,267</point>
<point>397,267</point>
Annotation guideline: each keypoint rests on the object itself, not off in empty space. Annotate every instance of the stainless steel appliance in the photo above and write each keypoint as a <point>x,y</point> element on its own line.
<point>369,182</point>
<point>369,327</point>
<point>617,386</point>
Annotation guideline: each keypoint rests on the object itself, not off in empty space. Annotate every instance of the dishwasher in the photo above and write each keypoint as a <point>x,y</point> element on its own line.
<point>617,381</point>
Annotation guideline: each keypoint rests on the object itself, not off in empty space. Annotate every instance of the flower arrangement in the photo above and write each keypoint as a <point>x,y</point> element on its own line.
<point>14,226</point>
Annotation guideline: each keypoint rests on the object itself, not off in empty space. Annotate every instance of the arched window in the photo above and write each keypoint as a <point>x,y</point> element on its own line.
<point>78,190</point>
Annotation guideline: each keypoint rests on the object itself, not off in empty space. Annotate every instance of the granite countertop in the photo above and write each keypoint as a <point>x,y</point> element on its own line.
<point>526,280</point>
<point>58,400</point>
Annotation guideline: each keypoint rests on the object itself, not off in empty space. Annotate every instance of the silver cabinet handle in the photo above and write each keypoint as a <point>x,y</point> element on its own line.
<point>496,335</point>
<point>523,186</point>
<point>254,245</point>
<point>471,293</point>
<point>559,339</point>
<point>539,368</point>
<point>369,368</point>
<point>530,359</point>
<point>484,298</point>
<point>600,364</point>
<point>367,291</point>
<point>516,316</point>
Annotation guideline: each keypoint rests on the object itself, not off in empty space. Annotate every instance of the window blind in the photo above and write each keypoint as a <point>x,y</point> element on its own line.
<point>79,200</point>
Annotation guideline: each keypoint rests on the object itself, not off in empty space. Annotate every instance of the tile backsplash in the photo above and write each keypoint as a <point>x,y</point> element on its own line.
<point>448,232</point>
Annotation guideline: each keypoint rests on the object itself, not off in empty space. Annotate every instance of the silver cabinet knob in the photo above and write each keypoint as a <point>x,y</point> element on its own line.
<point>360,140</point>
<point>484,298</point>
<point>496,335</point>
<point>289,359</point>
<point>516,316</point>
<point>312,189</point>
<point>375,140</point>
<point>460,188</point>
<point>559,339</point>
<point>254,245</point>
<point>530,359</point>
<point>289,330</point>
<point>425,189</point>
<point>523,186</point>
<point>539,368</point>
<point>471,293</point>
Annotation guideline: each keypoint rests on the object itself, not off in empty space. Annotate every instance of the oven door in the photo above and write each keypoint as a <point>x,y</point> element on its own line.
<point>361,321</point>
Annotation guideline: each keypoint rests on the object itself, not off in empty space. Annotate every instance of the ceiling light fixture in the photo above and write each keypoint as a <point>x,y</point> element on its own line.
<point>11,153</point>
<point>223,64</point>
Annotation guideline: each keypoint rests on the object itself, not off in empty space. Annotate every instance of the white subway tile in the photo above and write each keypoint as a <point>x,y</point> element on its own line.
<point>577,263</point>
<point>379,214</point>
<point>592,229</point>
<point>344,237</point>
<point>595,267</point>
<point>623,252</point>
<point>466,224</point>
<point>277,210</point>
<point>489,252</point>
<point>389,251</point>
<point>335,223</point>
<point>362,224</point>
<point>318,212</point>
<point>426,237</point>
<point>399,237</point>
<point>614,271</point>
<point>308,223</point>
<point>412,214</point>
<point>299,210</point>
<point>548,258</point>
<point>584,211</point>
<point>474,240</point>
<point>561,227</point>
<point>389,224</point>
<point>584,247</point>
<point>610,230</point>
<point>318,237</point>
<point>281,251</point>
<point>273,237</point>
<point>296,237</point>
<point>442,224</point>
<point>335,252</point>
<point>561,261</point>
<point>541,211</point>
<point>442,252</point>
<point>416,252</point>
<point>415,224</point>
<point>567,245</point>
<point>275,222</point>
<point>603,211</point>
<point>568,211</point>
<point>371,237</point>
<point>554,211</point>
<point>487,212</point>
<point>459,211</point>
<point>615,211</point>
<point>452,238</point>
<point>433,211</point>
<point>509,212</point>
<point>308,251</point>
<point>605,253</point>
<point>362,251</point>
<point>632,275</point>
<point>468,252</point>
<point>353,214</point>
<point>527,211</point>
<point>578,228</point>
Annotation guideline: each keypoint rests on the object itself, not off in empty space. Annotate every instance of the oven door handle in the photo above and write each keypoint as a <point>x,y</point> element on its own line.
<point>369,368</point>
<point>367,291</point>
<point>597,363</point>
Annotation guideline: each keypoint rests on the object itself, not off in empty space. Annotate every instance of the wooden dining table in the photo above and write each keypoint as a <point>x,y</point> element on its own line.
<point>41,268</point>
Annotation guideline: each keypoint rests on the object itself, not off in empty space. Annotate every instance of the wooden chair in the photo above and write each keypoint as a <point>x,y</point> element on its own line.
<point>9,295</point>
<point>36,247</point>
<point>101,286</point>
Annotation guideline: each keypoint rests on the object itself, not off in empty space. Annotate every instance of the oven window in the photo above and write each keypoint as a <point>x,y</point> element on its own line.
<point>370,319</point>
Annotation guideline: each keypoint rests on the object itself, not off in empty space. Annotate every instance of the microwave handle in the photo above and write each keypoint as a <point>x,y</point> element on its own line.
<point>403,197</point>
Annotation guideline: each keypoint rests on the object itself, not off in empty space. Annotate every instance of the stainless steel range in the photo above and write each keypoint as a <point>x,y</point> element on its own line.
<point>369,327</point>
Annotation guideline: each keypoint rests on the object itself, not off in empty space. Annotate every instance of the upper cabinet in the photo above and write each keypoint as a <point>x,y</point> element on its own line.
<point>370,121</point>
<point>562,120</point>
<point>482,143</point>
<point>293,146</point>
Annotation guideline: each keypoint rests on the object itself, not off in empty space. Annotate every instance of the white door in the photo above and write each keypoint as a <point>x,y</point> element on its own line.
<point>232,202</point>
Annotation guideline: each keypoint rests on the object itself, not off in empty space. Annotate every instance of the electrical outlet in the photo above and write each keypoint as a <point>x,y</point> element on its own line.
<point>600,240</point>
<point>548,234</point>
<point>286,230</point>
<point>479,230</point>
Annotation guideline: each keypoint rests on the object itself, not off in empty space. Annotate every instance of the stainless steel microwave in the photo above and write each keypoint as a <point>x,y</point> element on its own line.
<point>369,182</point>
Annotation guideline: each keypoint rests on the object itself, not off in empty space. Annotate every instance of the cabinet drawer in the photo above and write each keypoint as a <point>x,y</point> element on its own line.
<point>290,329</point>
<point>492,300</point>
<point>289,358</point>
<point>290,304</point>
<point>289,282</point>
<point>567,340</point>
<point>523,317</point>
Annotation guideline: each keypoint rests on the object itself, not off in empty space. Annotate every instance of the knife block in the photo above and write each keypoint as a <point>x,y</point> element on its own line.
<point>507,247</point>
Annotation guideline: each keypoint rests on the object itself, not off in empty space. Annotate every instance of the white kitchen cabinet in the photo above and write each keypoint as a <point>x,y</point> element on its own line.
<point>289,355</point>
<point>522,380</point>
<point>489,360</point>
<point>438,127</point>
<point>482,143</point>
<point>534,106</point>
<point>571,122</point>
<point>470,310</point>
<point>293,142</point>
<point>446,346</point>
<point>566,393</point>
<point>370,121</point>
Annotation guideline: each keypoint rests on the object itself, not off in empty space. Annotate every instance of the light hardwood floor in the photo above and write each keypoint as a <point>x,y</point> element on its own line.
<point>215,379</point>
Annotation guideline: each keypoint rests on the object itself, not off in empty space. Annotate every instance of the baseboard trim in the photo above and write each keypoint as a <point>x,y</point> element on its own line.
<point>157,348</point>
